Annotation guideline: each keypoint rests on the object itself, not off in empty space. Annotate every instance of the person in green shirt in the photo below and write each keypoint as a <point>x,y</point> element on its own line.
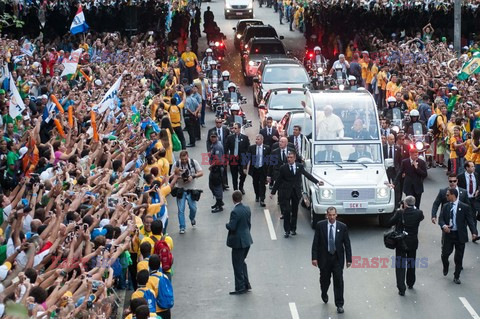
<point>452,101</point>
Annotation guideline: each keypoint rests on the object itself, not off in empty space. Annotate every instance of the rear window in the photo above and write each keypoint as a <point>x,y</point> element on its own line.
<point>267,48</point>
<point>284,74</point>
<point>260,33</point>
<point>242,26</point>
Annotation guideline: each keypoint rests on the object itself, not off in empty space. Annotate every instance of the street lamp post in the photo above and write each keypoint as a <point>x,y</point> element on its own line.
<point>457,29</point>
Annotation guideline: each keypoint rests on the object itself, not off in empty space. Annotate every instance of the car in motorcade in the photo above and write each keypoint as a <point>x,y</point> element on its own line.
<point>259,31</point>
<point>238,8</point>
<point>345,152</point>
<point>294,118</point>
<point>277,74</point>
<point>256,50</point>
<point>278,102</point>
<point>241,26</point>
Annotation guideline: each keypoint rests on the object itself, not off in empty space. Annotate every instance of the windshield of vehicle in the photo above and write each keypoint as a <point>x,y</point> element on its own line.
<point>267,48</point>
<point>348,153</point>
<point>242,26</point>
<point>285,101</point>
<point>284,74</point>
<point>260,33</point>
<point>305,124</point>
<point>345,116</point>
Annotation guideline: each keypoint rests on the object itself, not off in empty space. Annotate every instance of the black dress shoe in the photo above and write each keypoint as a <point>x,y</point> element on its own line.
<point>445,271</point>
<point>281,217</point>
<point>286,235</point>
<point>238,292</point>
<point>217,209</point>
<point>457,281</point>
<point>340,310</point>
<point>213,206</point>
<point>190,145</point>
<point>257,199</point>
<point>225,187</point>
<point>243,192</point>
<point>293,233</point>
<point>410,287</point>
<point>248,287</point>
<point>262,203</point>
<point>401,293</point>
<point>325,298</point>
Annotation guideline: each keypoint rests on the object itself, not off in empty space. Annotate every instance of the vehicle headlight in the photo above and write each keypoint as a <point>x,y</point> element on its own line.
<point>251,63</point>
<point>419,146</point>
<point>217,44</point>
<point>246,46</point>
<point>239,36</point>
<point>382,192</point>
<point>320,70</point>
<point>326,193</point>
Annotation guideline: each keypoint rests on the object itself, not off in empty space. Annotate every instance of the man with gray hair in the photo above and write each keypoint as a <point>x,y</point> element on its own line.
<point>330,125</point>
<point>257,166</point>
<point>341,64</point>
<point>407,219</point>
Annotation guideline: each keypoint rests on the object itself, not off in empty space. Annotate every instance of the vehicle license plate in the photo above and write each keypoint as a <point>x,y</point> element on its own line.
<point>239,13</point>
<point>355,205</point>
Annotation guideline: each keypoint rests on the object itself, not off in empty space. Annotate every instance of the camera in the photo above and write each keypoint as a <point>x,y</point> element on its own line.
<point>185,175</point>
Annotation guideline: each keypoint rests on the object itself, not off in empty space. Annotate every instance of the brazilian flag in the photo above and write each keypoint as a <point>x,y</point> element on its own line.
<point>471,67</point>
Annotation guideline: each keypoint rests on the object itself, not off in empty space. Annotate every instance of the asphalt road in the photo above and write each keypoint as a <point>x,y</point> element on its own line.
<point>285,284</point>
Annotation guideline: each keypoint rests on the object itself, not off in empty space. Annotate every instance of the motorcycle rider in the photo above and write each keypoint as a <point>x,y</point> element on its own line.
<point>209,57</point>
<point>213,71</point>
<point>223,84</point>
<point>352,83</point>
<point>234,111</point>
<point>232,95</point>
<point>415,118</point>
<point>391,105</point>
<point>341,65</point>
<point>318,60</point>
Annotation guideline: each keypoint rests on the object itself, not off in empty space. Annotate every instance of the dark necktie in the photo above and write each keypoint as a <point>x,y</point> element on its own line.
<point>269,131</point>
<point>390,153</point>
<point>297,147</point>
<point>470,186</point>
<point>284,157</point>
<point>219,135</point>
<point>452,216</point>
<point>331,241</point>
<point>291,169</point>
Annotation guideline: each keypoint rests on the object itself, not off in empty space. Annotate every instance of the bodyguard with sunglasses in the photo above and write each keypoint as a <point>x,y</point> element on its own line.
<point>441,199</point>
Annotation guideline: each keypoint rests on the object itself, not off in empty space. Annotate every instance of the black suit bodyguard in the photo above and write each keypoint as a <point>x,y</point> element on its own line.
<point>453,221</point>
<point>413,170</point>
<point>257,166</point>
<point>408,218</point>
<point>240,240</point>
<point>289,187</point>
<point>236,148</point>
<point>330,248</point>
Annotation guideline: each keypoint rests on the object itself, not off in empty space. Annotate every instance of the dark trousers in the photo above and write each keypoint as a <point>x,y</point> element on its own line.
<point>202,116</point>
<point>190,74</point>
<point>224,175</point>
<point>405,264</point>
<point>215,182</point>
<point>132,269</point>
<point>178,130</point>
<point>290,211</point>
<point>164,314</point>
<point>191,122</point>
<point>259,179</point>
<point>240,268</point>
<point>332,267</point>
<point>450,241</point>
<point>381,102</point>
<point>236,170</point>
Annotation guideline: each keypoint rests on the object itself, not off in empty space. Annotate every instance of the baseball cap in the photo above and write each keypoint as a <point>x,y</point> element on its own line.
<point>23,151</point>
<point>454,88</point>
<point>2,91</point>
<point>213,134</point>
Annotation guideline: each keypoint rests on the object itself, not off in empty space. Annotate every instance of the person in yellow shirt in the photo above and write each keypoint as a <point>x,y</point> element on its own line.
<point>144,292</point>
<point>174,110</point>
<point>372,72</point>
<point>154,281</point>
<point>456,143</point>
<point>190,60</point>
<point>157,235</point>
<point>137,303</point>
<point>146,249</point>
<point>382,87</point>
<point>364,65</point>
<point>475,149</point>
<point>393,87</point>
<point>166,139</point>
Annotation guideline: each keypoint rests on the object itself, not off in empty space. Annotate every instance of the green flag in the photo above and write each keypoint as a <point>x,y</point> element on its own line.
<point>472,66</point>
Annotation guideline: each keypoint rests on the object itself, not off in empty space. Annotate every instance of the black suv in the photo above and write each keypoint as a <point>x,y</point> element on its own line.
<point>276,74</point>
<point>259,31</point>
<point>241,26</point>
<point>258,49</point>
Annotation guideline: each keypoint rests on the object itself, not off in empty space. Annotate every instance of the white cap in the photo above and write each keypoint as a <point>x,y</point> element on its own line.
<point>44,96</point>
<point>104,222</point>
<point>450,46</point>
<point>454,88</point>
<point>465,47</point>
<point>23,151</point>
<point>98,82</point>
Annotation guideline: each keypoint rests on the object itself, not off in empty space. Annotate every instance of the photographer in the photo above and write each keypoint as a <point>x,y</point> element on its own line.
<point>188,169</point>
<point>407,219</point>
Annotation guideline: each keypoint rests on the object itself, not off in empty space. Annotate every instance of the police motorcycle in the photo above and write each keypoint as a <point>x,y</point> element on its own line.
<point>224,82</point>
<point>207,60</point>
<point>232,97</point>
<point>338,80</point>
<point>316,65</point>
<point>236,115</point>
<point>420,137</point>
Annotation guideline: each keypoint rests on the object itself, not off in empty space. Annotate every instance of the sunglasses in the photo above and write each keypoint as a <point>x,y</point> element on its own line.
<point>452,181</point>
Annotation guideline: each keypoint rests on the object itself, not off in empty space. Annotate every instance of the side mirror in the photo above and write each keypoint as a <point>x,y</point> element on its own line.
<point>281,37</point>
<point>256,80</point>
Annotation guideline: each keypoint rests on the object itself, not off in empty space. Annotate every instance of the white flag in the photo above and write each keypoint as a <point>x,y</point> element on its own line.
<point>70,64</point>
<point>110,98</point>
<point>4,73</point>
<point>28,47</point>
<point>16,103</point>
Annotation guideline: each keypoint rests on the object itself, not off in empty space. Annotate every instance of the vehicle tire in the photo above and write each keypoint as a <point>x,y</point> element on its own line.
<point>255,103</point>
<point>384,218</point>
<point>315,218</point>
<point>248,80</point>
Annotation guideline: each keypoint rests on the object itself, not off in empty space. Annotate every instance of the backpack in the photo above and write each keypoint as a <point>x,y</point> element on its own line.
<point>165,292</point>
<point>163,251</point>
<point>150,298</point>
<point>433,124</point>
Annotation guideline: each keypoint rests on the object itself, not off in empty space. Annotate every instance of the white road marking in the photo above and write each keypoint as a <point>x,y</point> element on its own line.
<point>470,309</point>
<point>271,230</point>
<point>293,310</point>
